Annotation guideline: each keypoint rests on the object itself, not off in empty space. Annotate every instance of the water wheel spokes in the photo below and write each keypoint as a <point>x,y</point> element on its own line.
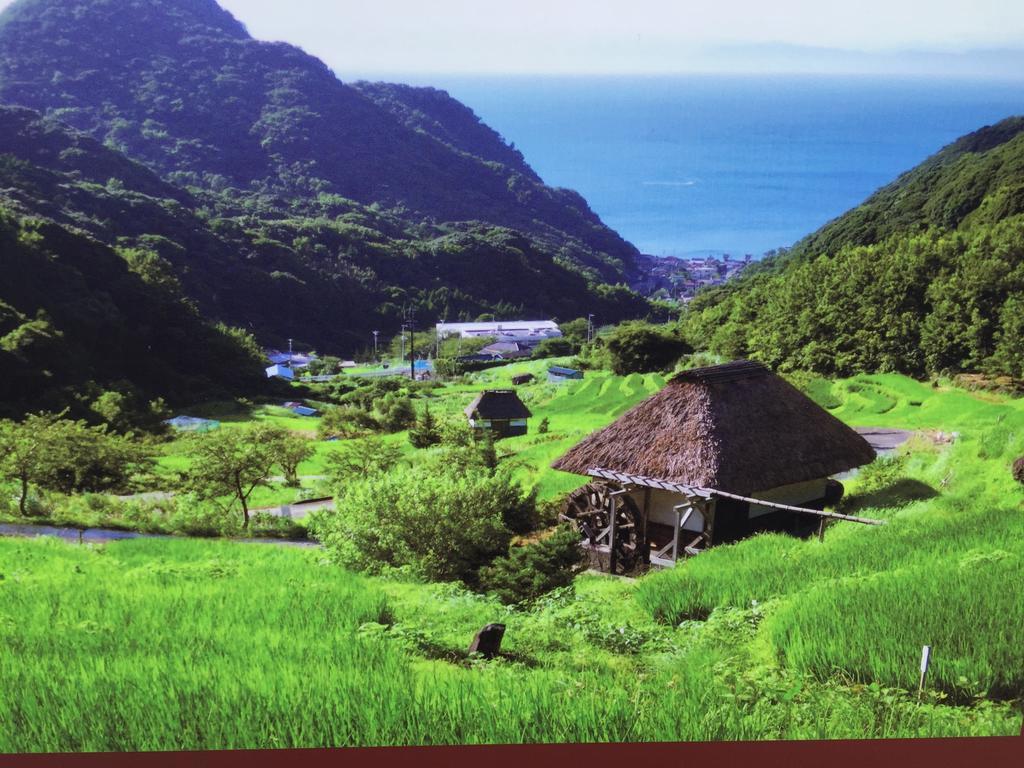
<point>590,509</point>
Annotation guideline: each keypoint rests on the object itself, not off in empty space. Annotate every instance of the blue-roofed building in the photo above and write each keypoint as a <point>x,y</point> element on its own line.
<point>280,372</point>
<point>302,410</point>
<point>558,374</point>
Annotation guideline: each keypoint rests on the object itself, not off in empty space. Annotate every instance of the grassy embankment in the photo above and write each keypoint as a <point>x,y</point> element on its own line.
<point>184,644</point>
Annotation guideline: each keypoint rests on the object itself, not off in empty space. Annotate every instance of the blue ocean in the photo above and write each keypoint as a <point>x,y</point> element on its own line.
<point>711,164</point>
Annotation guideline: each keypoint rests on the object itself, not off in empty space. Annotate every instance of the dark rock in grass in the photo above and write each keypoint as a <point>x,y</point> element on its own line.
<point>488,641</point>
<point>1018,470</point>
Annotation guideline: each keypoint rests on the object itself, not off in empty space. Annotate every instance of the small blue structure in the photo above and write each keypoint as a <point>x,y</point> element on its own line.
<point>280,372</point>
<point>192,424</point>
<point>302,410</point>
<point>558,374</point>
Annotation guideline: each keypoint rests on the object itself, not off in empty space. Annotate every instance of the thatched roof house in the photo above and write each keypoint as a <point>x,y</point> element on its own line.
<point>713,435</point>
<point>500,411</point>
<point>735,427</point>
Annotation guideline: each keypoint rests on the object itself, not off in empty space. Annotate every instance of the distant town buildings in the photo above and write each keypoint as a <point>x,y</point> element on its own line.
<point>681,278</point>
<point>529,332</point>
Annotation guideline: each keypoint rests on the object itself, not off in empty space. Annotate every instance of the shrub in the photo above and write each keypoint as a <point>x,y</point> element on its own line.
<point>638,347</point>
<point>346,421</point>
<point>442,524</point>
<point>1018,470</point>
<point>396,412</point>
<point>528,572</point>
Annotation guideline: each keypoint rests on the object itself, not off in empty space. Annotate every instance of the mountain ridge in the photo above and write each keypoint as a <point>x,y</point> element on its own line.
<point>926,277</point>
<point>285,201</point>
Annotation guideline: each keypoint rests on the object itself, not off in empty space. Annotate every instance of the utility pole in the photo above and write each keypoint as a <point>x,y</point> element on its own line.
<point>403,341</point>
<point>410,322</point>
<point>590,328</point>
<point>290,354</point>
<point>375,355</point>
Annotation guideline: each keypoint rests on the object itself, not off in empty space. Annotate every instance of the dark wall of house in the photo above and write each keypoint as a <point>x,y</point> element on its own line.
<point>732,521</point>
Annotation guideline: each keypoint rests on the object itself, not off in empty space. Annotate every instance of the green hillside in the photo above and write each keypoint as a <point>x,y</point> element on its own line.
<point>291,189</point>
<point>78,319</point>
<point>770,638</point>
<point>925,277</point>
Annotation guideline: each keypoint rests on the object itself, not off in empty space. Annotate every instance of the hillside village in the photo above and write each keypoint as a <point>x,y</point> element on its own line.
<point>680,278</point>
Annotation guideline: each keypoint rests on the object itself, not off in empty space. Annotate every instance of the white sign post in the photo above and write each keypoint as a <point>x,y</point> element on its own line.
<point>926,659</point>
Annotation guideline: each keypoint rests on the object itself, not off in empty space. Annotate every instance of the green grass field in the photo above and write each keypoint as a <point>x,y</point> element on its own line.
<point>186,644</point>
<point>573,410</point>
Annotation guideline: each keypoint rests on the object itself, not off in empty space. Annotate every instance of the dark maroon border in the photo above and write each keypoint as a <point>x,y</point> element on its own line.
<point>905,753</point>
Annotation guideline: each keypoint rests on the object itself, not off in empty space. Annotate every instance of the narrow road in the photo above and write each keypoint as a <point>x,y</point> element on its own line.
<point>104,535</point>
<point>883,439</point>
<point>296,511</point>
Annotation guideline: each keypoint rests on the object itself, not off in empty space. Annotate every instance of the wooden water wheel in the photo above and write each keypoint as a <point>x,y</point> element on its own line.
<point>589,508</point>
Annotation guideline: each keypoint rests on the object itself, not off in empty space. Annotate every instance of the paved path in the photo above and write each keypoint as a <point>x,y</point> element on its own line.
<point>298,510</point>
<point>102,535</point>
<point>884,439</point>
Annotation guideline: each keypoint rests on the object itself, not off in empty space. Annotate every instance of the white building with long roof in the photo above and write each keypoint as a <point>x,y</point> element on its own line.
<point>523,331</point>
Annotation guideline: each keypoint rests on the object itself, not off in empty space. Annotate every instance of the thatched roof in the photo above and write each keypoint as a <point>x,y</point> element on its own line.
<point>498,404</point>
<point>736,428</point>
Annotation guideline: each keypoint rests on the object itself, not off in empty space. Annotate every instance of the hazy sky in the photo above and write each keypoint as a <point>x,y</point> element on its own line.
<point>630,36</point>
<point>643,36</point>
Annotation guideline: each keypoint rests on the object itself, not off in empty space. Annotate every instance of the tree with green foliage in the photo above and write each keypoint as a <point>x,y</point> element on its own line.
<point>555,347</point>
<point>58,454</point>
<point>22,457</point>
<point>426,432</point>
<point>232,463</point>
<point>449,367</point>
<point>290,450</point>
<point>530,571</point>
<point>357,459</point>
<point>395,412</point>
<point>638,347</point>
<point>345,422</point>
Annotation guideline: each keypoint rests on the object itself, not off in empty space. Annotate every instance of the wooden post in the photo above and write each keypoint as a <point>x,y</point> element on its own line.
<point>708,509</point>
<point>821,529</point>
<point>675,537</point>
<point>613,507</point>
<point>645,546</point>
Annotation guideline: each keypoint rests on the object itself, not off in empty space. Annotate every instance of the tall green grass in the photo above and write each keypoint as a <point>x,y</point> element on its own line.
<point>872,628</point>
<point>946,570</point>
<point>160,645</point>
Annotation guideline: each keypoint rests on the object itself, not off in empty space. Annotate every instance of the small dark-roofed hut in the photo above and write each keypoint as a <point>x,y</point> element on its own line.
<point>526,378</point>
<point>685,469</point>
<point>558,374</point>
<point>500,411</point>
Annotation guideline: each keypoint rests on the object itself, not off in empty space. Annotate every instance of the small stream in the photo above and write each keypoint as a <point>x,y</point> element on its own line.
<point>105,535</point>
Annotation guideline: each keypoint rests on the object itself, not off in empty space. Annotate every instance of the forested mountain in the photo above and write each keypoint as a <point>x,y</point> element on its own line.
<point>927,276</point>
<point>283,200</point>
<point>79,320</point>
